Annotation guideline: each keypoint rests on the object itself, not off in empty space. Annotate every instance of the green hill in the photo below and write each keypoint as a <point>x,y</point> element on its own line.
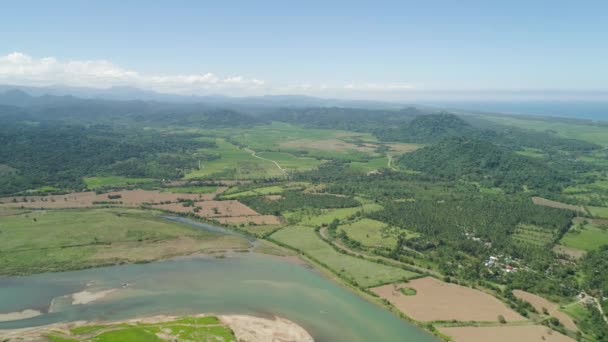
<point>481,161</point>
<point>428,129</point>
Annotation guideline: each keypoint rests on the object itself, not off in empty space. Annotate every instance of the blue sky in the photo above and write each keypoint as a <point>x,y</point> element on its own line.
<point>371,49</point>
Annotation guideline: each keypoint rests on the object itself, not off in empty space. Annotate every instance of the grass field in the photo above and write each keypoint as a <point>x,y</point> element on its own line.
<point>370,233</point>
<point>326,216</point>
<point>48,240</point>
<point>234,163</point>
<point>365,273</point>
<point>290,162</point>
<point>600,212</point>
<point>370,165</point>
<point>207,189</point>
<point>590,133</point>
<point>207,328</point>
<point>588,237</point>
<point>268,190</point>
<point>99,182</point>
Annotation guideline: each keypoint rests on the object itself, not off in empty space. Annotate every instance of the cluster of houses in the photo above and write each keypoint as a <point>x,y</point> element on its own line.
<point>506,264</point>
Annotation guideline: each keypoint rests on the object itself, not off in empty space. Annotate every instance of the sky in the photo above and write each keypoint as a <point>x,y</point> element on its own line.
<point>386,50</point>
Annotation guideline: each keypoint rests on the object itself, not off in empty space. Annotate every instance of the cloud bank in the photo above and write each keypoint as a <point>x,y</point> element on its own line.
<point>22,69</point>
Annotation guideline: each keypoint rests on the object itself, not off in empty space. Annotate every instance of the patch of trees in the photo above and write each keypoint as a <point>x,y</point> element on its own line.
<point>60,155</point>
<point>426,129</point>
<point>293,200</point>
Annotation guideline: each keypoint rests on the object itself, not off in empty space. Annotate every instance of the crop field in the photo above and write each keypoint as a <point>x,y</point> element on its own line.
<point>103,181</point>
<point>554,204</point>
<point>504,334</point>
<point>439,301</point>
<point>370,233</point>
<point>54,240</point>
<point>529,233</point>
<point>541,303</point>
<point>585,237</point>
<point>234,163</point>
<point>365,273</point>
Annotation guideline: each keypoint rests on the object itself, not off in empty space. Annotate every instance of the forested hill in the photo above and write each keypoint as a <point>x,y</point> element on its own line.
<point>477,160</point>
<point>427,129</point>
<point>72,109</point>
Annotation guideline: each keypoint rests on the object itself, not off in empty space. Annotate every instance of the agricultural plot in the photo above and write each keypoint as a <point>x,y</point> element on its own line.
<point>438,301</point>
<point>370,233</point>
<point>531,234</point>
<point>365,273</point>
<point>370,165</point>
<point>110,181</point>
<point>541,304</point>
<point>125,198</point>
<point>586,237</point>
<point>554,204</point>
<point>504,334</point>
<point>47,240</point>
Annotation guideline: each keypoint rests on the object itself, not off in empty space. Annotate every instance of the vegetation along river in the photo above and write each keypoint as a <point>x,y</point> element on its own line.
<point>247,283</point>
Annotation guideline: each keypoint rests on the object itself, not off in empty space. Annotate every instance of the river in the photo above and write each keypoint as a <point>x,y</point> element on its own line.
<point>246,283</point>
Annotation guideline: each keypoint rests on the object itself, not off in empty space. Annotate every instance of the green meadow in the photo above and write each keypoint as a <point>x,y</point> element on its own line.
<point>364,272</point>
<point>585,237</point>
<point>108,181</point>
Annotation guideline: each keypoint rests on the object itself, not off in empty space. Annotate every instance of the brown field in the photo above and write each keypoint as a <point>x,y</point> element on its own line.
<point>212,208</point>
<point>553,204</point>
<point>403,148</point>
<point>523,333</point>
<point>439,301</point>
<point>225,212</point>
<point>273,197</point>
<point>129,198</point>
<point>539,303</point>
<point>327,145</point>
<point>255,220</point>
<point>571,252</point>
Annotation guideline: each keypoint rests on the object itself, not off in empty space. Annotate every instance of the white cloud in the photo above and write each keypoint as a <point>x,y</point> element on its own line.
<point>22,69</point>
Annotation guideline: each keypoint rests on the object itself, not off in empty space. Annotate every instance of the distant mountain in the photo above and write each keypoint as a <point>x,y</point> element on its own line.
<point>481,161</point>
<point>237,103</point>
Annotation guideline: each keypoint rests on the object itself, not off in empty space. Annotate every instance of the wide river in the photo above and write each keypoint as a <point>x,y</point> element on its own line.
<point>247,283</point>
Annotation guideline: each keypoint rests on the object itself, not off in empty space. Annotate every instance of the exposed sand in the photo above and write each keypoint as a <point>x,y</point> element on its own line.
<point>246,328</point>
<point>439,301</point>
<point>553,204</point>
<point>523,333</point>
<point>255,329</point>
<point>86,297</point>
<point>15,316</point>
<point>539,303</point>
